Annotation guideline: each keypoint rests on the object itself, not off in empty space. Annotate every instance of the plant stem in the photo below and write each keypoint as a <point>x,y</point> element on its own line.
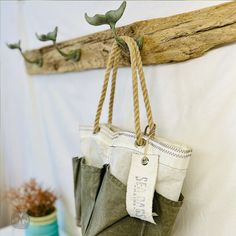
<point>59,50</point>
<point>37,61</point>
<point>119,40</point>
<point>27,59</point>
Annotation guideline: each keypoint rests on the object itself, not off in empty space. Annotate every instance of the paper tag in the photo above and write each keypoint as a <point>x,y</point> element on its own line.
<point>141,187</point>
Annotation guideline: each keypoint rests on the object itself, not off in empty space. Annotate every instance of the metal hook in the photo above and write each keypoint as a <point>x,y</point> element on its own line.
<point>151,131</point>
<point>37,61</point>
<point>110,18</point>
<point>73,55</point>
<point>149,134</point>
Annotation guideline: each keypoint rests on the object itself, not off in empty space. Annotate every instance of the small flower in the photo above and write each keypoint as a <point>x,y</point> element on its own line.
<point>31,197</point>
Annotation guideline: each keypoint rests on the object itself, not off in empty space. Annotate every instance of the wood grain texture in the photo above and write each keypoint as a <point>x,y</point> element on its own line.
<point>171,39</point>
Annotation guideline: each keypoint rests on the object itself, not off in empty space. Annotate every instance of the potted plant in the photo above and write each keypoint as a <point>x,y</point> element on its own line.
<point>38,204</point>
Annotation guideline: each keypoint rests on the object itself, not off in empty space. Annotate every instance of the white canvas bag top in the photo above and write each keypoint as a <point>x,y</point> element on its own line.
<point>105,143</point>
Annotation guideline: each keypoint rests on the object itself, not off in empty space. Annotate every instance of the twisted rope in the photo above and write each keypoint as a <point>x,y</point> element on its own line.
<point>151,124</point>
<point>136,64</point>
<point>113,86</point>
<point>110,63</point>
<point>139,138</point>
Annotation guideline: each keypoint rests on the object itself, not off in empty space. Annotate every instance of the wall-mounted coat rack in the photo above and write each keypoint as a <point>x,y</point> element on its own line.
<point>171,39</point>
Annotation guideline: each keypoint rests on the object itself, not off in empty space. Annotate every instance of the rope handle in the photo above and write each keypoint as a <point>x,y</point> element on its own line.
<point>136,65</point>
<point>151,124</point>
<point>113,54</point>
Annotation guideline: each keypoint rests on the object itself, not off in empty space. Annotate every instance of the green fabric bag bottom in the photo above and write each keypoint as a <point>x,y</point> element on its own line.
<point>100,200</point>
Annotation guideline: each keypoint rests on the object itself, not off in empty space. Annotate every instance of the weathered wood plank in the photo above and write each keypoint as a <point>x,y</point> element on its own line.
<point>171,39</point>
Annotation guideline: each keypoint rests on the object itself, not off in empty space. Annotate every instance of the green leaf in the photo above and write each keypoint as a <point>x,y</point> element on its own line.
<point>98,19</point>
<point>39,62</point>
<point>77,54</point>
<point>114,15</point>
<point>14,45</point>
<point>41,37</point>
<point>139,41</point>
<point>74,55</point>
<point>110,18</point>
<point>51,36</point>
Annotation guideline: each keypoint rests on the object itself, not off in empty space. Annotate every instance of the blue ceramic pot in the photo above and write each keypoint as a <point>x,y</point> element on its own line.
<point>43,226</point>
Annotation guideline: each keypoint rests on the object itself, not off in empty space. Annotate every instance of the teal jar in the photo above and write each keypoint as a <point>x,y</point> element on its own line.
<point>43,226</point>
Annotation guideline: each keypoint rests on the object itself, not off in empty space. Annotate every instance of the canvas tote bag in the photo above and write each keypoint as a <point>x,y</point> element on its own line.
<point>102,174</point>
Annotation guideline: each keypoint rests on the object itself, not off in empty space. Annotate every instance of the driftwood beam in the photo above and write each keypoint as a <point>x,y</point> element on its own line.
<point>171,39</point>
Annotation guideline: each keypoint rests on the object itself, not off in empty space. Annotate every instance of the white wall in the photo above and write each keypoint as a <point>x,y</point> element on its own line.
<point>193,102</point>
